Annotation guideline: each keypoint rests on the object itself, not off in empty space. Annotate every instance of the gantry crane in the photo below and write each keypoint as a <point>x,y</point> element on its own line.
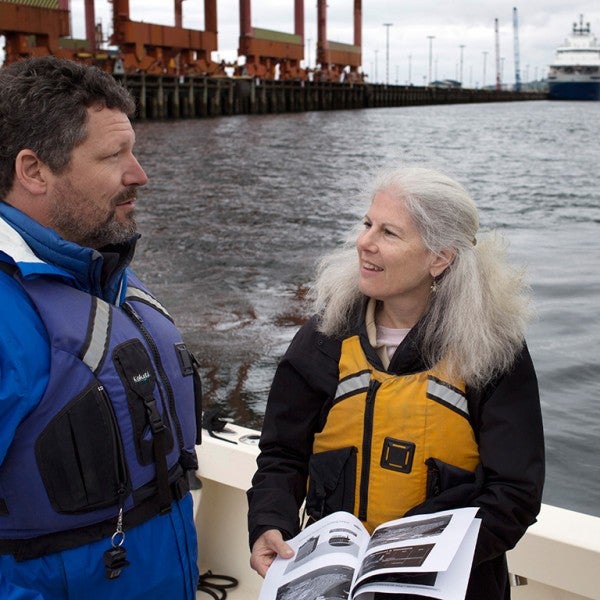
<point>41,27</point>
<point>336,60</point>
<point>32,30</point>
<point>155,48</point>
<point>265,50</point>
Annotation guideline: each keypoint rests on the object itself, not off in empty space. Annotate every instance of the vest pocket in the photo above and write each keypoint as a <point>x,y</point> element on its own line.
<point>332,482</point>
<point>442,477</point>
<point>140,383</point>
<point>80,456</point>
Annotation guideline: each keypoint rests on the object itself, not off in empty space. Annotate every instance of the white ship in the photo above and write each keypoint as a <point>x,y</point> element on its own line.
<point>575,72</point>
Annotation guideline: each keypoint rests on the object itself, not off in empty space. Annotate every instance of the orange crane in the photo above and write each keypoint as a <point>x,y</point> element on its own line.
<point>264,49</point>
<point>335,60</point>
<point>42,27</point>
<point>155,48</point>
<point>32,29</point>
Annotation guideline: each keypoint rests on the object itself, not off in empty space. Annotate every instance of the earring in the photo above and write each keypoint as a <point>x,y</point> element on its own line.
<point>434,286</point>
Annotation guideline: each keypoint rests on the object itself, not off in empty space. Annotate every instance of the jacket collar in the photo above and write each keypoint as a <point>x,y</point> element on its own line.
<point>407,357</point>
<point>37,250</point>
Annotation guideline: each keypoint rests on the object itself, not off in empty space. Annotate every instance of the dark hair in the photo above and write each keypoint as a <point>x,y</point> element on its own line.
<point>43,107</point>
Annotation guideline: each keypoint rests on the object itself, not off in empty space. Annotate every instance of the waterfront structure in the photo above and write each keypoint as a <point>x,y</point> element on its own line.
<point>167,97</point>
<point>170,71</point>
<point>42,27</point>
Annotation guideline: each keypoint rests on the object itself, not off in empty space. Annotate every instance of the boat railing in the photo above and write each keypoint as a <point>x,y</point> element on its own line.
<point>557,559</point>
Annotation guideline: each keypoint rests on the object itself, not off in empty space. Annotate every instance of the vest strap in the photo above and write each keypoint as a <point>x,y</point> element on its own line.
<point>30,548</point>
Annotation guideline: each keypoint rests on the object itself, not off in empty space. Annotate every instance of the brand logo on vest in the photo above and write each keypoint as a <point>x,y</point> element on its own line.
<point>141,378</point>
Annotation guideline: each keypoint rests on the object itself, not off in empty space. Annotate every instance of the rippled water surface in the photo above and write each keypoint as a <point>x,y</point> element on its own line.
<point>238,210</point>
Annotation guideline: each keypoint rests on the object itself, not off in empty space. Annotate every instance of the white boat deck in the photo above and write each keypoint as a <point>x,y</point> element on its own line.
<point>558,558</point>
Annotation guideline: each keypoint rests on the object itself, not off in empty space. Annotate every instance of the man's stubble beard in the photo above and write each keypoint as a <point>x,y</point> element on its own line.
<point>66,220</point>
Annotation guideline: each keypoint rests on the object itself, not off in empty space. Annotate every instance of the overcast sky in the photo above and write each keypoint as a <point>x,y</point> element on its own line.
<point>543,25</point>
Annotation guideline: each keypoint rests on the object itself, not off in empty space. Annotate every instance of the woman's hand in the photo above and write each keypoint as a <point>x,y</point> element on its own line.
<point>269,545</point>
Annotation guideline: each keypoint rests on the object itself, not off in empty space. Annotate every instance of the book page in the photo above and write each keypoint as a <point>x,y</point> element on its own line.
<point>433,559</point>
<point>426,556</point>
<point>326,556</point>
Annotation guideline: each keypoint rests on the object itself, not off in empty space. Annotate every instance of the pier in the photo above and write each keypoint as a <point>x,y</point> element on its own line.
<point>172,73</point>
<point>172,97</point>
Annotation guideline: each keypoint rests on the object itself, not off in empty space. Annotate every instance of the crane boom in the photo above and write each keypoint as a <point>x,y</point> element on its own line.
<point>497,49</point>
<point>516,47</point>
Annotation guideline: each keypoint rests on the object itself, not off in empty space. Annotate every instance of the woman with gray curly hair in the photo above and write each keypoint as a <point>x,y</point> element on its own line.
<point>411,389</point>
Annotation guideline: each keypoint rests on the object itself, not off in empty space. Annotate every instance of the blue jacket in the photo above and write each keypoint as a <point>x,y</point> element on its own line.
<point>162,550</point>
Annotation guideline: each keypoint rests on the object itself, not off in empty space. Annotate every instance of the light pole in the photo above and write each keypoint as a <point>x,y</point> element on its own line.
<point>430,38</point>
<point>387,52</point>
<point>462,47</point>
<point>484,64</point>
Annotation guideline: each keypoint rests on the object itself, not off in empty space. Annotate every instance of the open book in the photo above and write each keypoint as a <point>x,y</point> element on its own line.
<point>427,556</point>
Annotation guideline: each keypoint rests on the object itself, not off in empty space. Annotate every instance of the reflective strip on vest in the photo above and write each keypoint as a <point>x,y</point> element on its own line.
<point>353,385</point>
<point>447,395</point>
<point>97,340</point>
<point>134,293</point>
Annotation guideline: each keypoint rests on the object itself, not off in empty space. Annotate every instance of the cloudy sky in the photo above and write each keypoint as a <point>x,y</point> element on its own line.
<point>543,24</point>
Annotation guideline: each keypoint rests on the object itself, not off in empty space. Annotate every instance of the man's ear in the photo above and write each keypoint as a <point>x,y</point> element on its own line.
<point>441,261</point>
<point>31,172</point>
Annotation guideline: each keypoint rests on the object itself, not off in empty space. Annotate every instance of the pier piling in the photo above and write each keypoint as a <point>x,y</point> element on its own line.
<point>171,97</point>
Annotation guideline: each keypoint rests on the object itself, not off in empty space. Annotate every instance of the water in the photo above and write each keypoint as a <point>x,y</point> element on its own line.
<point>238,209</point>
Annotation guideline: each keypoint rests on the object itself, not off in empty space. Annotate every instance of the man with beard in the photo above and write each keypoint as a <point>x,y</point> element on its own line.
<point>98,393</point>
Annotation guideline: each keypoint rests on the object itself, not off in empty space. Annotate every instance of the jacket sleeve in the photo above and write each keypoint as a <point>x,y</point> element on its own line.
<point>304,381</point>
<point>24,370</point>
<point>24,359</point>
<point>511,449</point>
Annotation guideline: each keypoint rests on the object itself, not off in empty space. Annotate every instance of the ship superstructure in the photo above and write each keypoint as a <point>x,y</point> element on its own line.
<point>575,72</point>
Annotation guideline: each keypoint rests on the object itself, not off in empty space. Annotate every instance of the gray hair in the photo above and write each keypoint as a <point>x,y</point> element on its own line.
<point>477,317</point>
<point>43,107</point>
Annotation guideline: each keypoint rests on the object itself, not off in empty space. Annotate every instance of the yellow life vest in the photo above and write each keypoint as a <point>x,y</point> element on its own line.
<point>396,422</point>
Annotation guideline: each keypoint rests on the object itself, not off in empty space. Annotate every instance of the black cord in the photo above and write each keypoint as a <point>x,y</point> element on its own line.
<point>211,593</point>
<point>216,586</point>
<point>216,420</point>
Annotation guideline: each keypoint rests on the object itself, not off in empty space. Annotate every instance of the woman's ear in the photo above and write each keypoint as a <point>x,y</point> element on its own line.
<point>30,172</point>
<point>441,261</point>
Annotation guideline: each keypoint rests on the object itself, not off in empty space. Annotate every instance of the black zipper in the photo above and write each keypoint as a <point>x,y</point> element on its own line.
<point>363,500</point>
<point>139,323</point>
<point>121,474</point>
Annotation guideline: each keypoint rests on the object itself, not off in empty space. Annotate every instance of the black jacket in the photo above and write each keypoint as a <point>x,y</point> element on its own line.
<point>505,416</point>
